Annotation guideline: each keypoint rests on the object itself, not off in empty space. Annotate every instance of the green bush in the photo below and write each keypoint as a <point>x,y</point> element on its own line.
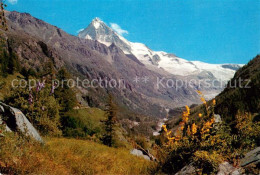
<point>43,112</point>
<point>82,123</point>
<point>8,63</point>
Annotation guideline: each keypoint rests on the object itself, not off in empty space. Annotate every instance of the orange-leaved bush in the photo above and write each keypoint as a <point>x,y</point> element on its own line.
<point>192,135</point>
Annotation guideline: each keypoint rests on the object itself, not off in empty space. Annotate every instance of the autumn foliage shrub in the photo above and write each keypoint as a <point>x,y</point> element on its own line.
<point>206,143</point>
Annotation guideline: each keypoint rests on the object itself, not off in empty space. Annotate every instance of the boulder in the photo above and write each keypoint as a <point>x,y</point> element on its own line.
<point>139,153</point>
<point>187,170</point>
<point>252,157</point>
<point>226,168</point>
<point>217,118</point>
<point>16,121</point>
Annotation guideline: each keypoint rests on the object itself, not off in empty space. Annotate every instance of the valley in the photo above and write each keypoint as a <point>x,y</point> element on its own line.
<point>96,103</point>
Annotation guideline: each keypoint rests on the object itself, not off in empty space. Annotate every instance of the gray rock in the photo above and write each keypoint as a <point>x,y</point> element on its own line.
<point>227,169</point>
<point>236,172</point>
<point>187,170</point>
<point>217,118</point>
<point>251,157</point>
<point>224,169</point>
<point>140,154</point>
<point>2,109</point>
<point>17,121</point>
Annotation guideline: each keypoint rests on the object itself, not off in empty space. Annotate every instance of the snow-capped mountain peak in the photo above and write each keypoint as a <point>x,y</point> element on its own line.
<point>97,22</point>
<point>98,30</point>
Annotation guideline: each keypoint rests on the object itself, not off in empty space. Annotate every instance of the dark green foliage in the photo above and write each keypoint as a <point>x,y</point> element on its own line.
<point>74,127</point>
<point>65,95</point>
<point>4,64</point>
<point>8,63</point>
<point>110,122</point>
<point>77,126</point>
<point>31,72</point>
<point>44,48</point>
<point>178,158</point>
<point>43,112</point>
<point>245,98</point>
<point>27,73</point>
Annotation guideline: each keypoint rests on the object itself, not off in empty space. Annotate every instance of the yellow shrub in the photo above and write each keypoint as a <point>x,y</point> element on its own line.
<point>207,162</point>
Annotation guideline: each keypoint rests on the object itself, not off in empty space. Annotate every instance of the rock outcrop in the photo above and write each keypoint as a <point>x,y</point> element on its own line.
<point>16,121</point>
<point>139,153</point>
<point>187,170</point>
<point>143,153</point>
<point>252,157</point>
<point>226,168</point>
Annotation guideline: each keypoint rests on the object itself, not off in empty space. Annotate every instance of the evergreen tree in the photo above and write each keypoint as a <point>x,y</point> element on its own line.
<point>9,62</point>
<point>110,122</point>
<point>65,94</point>
<point>4,63</point>
<point>27,73</point>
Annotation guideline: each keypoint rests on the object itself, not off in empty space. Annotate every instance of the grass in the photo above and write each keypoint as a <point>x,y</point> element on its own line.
<point>94,115</point>
<point>88,125</point>
<point>85,157</point>
<point>83,123</point>
<point>7,82</point>
<point>67,156</point>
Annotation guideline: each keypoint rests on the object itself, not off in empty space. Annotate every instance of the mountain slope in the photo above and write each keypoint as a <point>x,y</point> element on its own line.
<point>240,95</point>
<point>98,30</point>
<point>242,92</point>
<point>89,59</point>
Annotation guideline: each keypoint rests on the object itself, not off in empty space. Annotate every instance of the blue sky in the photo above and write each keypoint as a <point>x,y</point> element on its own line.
<point>214,31</point>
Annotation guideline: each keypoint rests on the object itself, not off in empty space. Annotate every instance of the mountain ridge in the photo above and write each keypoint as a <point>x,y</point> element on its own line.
<point>93,60</point>
<point>98,30</point>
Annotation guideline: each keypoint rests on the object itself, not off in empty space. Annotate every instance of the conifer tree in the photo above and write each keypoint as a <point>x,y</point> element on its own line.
<point>65,95</point>
<point>110,122</point>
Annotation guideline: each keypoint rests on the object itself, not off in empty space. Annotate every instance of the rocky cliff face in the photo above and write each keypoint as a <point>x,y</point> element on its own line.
<point>31,51</point>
